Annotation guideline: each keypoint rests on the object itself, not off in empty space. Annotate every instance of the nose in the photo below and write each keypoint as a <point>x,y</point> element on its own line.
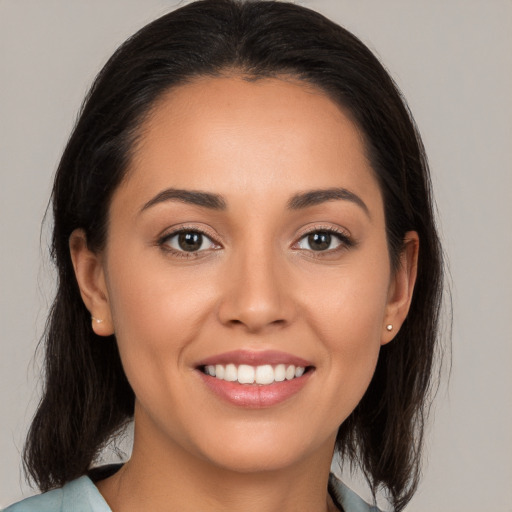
<point>256,292</point>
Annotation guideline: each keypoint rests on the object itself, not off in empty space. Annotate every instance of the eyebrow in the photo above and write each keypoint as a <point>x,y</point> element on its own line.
<point>315,197</point>
<point>204,199</point>
<point>217,202</point>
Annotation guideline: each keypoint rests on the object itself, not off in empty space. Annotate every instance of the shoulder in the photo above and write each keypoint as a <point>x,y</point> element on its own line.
<point>346,498</point>
<point>80,495</point>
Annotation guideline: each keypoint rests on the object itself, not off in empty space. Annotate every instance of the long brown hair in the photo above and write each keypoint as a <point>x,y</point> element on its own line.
<point>86,396</point>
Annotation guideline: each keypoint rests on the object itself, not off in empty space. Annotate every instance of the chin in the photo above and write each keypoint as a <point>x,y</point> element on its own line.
<point>255,461</point>
<point>252,453</point>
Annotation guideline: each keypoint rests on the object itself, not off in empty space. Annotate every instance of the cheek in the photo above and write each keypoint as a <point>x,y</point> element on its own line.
<point>157,314</point>
<point>346,315</point>
<point>154,298</point>
<point>348,305</point>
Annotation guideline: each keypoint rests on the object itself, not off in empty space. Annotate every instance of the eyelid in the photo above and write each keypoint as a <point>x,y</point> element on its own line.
<point>343,235</point>
<point>342,232</point>
<point>186,228</point>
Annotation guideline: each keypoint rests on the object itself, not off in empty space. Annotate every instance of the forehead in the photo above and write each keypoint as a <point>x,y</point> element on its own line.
<point>233,135</point>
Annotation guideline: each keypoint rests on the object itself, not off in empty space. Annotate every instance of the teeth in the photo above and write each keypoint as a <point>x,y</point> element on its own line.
<point>246,374</point>
<point>280,373</point>
<point>262,375</point>
<point>231,373</point>
<point>219,371</point>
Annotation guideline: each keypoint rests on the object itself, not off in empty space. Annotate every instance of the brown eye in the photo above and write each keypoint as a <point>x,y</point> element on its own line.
<point>322,241</point>
<point>188,241</point>
<point>319,241</point>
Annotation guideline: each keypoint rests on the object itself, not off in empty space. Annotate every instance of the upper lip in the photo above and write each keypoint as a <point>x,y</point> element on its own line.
<point>254,358</point>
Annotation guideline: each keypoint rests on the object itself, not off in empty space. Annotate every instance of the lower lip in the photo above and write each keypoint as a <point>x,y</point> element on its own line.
<point>254,396</point>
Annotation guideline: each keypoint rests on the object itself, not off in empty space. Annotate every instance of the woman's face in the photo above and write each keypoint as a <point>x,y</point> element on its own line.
<point>248,240</point>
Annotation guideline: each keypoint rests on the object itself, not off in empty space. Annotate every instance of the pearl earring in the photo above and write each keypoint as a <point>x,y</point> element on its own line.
<point>97,320</point>
<point>389,327</point>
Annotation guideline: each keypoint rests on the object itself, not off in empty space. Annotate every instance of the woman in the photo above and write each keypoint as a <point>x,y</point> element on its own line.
<point>248,267</point>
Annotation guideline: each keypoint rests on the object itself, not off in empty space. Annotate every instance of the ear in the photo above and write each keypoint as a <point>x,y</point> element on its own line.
<point>90,275</point>
<point>401,287</point>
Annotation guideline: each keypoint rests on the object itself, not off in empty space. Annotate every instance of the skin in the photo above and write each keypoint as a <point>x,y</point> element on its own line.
<point>257,285</point>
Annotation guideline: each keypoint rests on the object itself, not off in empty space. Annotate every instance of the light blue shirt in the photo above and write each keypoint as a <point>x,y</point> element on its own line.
<point>81,495</point>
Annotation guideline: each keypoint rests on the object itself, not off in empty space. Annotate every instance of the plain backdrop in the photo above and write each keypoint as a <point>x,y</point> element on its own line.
<point>452,60</point>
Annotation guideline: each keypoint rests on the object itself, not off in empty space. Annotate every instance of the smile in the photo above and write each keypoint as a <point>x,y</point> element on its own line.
<point>262,375</point>
<point>255,379</point>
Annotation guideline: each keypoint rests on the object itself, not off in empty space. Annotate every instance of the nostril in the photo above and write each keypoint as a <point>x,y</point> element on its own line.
<point>255,308</point>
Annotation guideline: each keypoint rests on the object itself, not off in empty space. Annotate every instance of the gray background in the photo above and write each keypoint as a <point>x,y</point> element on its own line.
<point>451,58</point>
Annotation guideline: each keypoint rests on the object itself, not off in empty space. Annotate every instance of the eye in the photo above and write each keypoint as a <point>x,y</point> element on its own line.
<point>187,241</point>
<point>322,240</point>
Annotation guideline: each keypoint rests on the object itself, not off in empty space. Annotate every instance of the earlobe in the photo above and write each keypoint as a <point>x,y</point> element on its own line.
<point>401,287</point>
<point>89,273</point>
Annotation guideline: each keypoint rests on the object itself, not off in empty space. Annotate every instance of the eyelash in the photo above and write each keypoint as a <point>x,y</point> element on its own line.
<point>164,240</point>
<point>346,241</point>
<point>343,237</point>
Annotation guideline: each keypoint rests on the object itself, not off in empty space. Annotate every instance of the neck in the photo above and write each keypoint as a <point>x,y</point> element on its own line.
<point>170,479</point>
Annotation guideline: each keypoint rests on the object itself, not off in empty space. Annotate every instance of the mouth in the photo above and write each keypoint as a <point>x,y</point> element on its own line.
<point>255,379</point>
<point>262,375</point>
